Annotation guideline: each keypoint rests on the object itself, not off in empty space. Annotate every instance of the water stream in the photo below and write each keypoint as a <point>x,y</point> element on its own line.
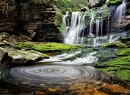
<point>93,20</point>
<point>71,73</point>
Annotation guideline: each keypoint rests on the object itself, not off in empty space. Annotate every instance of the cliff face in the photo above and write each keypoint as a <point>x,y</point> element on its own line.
<point>32,19</point>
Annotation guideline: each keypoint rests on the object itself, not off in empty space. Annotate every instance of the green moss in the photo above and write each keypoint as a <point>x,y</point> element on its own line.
<point>118,61</point>
<point>106,12</point>
<point>123,75</point>
<point>58,18</point>
<point>109,70</point>
<point>115,44</point>
<point>115,1</point>
<point>124,51</point>
<point>23,45</point>
<point>47,46</point>
<point>46,55</point>
<point>118,72</point>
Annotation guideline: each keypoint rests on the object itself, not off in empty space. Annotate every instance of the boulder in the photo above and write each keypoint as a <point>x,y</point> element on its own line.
<point>24,56</point>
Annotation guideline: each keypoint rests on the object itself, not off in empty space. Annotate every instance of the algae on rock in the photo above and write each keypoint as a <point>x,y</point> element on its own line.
<point>42,47</point>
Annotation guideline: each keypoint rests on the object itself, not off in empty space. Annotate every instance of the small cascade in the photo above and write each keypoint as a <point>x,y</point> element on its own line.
<point>66,21</point>
<point>119,14</point>
<point>110,12</point>
<point>76,27</point>
<point>64,58</point>
<point>91,23</point>
<point>97,27</point>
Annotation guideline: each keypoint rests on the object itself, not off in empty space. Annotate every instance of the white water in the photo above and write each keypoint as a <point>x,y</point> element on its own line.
<point>64,59</point>
<point>77,25</point>
<point>95,37</point>
<point>119,14</point>
<point>97,27</point>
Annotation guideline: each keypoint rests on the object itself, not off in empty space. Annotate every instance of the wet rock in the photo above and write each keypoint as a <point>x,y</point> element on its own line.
<point>4,58</point>
<point>24,56</point>
<point>105,55</point>
<point>118,44</point>
<point>13,54</point>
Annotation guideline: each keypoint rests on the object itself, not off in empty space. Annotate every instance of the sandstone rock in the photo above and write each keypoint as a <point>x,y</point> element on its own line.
<point>24,56</point>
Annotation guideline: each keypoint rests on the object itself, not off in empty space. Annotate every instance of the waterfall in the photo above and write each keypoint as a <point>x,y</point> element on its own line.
<point>91,23</point>
<point>119,14</point>
<point>66,22</point>
<point>77,25</point>
<point>97,27</point>
<point>87,28</point>
<point>110,12</point>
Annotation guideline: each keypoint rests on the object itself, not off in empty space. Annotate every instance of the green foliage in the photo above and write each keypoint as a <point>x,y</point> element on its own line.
<point>47,46</point>
<point>64,5</point>
<point>62,28</point>
<point>106,12</point>
<point>70,5</point>
<point>58,19</point>
<point>114,1</point>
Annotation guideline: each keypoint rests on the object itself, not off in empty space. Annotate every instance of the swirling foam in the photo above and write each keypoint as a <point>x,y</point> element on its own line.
<point>53,74</point>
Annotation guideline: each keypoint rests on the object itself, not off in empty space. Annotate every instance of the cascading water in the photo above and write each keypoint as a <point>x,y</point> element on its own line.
<point>66,21</point>
<point>77,25</point>
<point>110,12</point>
<point>95,35</point>
<point>119,14</point>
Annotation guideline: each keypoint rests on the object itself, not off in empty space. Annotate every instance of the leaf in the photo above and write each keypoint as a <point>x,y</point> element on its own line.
<point>26,82</point>
<point>52,89</point>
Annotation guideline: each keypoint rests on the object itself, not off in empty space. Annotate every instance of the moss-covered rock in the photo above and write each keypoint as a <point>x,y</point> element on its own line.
<point>42,47</point>
<point>118,61</point>
<point>118,44</point>
<point>123,52</point>
<point>123,75</point>
<point>115,1</point>
<point>119,67</point>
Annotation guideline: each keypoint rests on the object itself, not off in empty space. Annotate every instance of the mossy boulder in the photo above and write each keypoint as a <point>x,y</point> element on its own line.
<point>120,61</point>
<point>119,67</point>
<point>123,75</point>
<point>43,47</point>
<point>118,44</point>
<point>123,52</point>
<point>118,72</point>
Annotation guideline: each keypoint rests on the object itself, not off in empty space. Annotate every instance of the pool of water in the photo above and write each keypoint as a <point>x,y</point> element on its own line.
<point>59,80</point>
